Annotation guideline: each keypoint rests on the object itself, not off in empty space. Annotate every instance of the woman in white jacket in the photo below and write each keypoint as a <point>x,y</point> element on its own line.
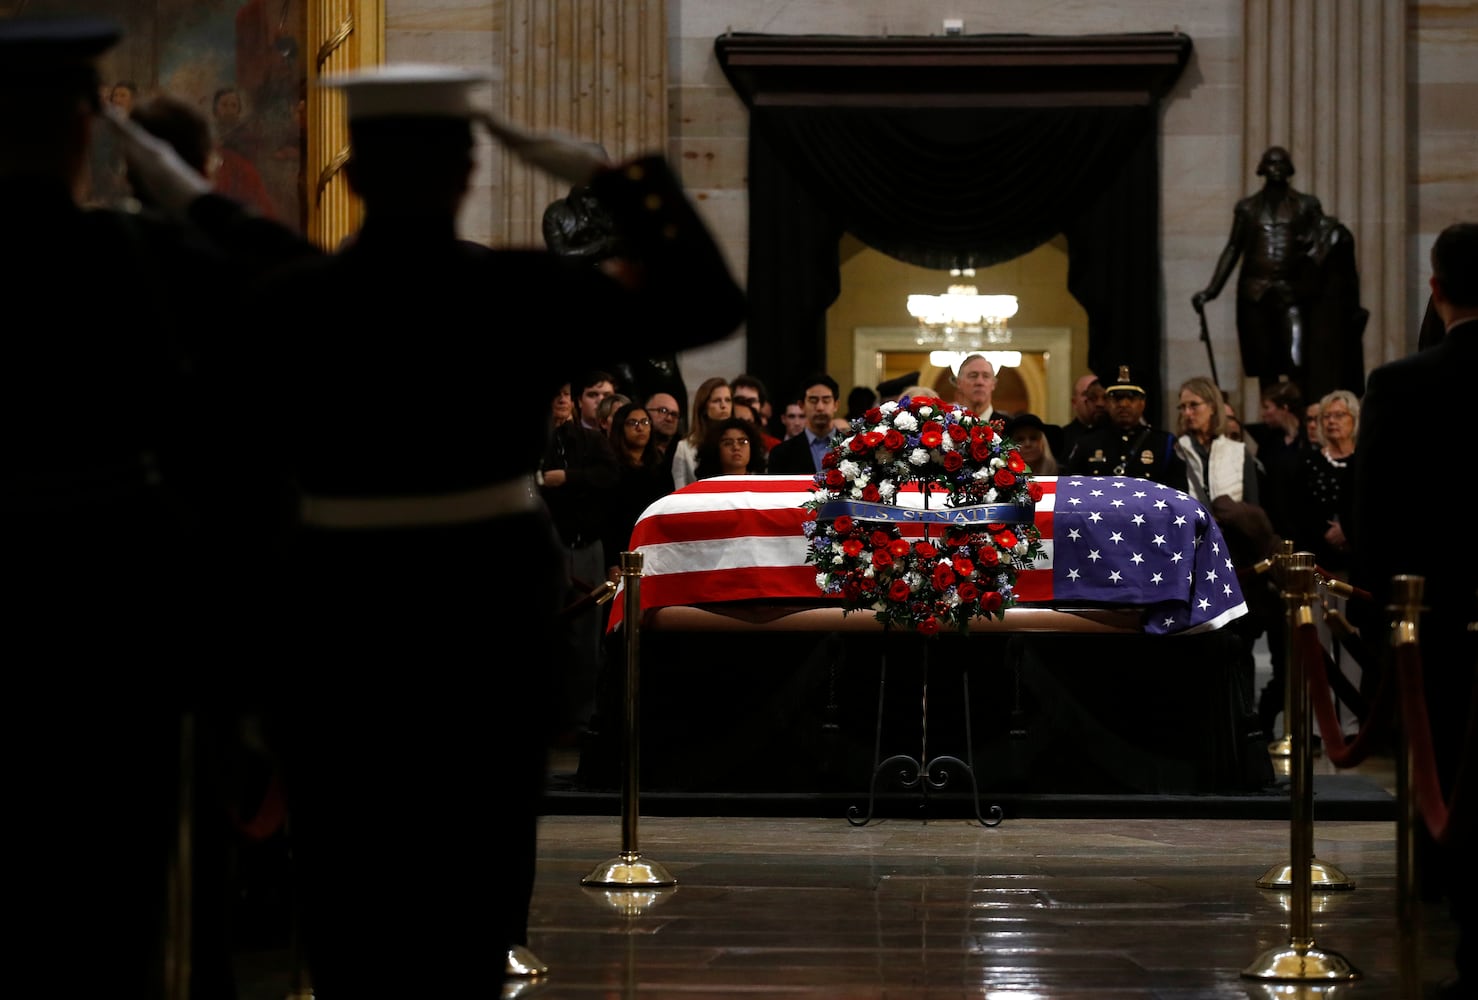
<point>1215,464</point>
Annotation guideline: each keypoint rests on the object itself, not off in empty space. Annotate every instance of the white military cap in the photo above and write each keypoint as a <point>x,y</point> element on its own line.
<point>416,90</point>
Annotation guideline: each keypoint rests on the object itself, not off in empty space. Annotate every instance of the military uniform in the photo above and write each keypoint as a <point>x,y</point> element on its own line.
<point>1143,452</point>
<point>1126,445</point>
<point>412,420</point>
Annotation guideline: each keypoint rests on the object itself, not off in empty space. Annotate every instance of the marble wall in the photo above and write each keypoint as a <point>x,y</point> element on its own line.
<point>1214,125</point>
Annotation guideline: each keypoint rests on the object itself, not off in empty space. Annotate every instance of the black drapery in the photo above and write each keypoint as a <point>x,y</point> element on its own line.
<point>949,184</point>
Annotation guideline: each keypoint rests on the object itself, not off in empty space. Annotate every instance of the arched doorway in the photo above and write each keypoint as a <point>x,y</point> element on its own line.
<point>955,151</point>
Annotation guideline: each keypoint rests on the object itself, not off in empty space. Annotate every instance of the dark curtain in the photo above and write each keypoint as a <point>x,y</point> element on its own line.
<point>957,187</point>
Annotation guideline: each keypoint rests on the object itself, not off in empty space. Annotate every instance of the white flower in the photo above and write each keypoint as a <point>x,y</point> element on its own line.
<point>886,489</point>
<point>889,407</point>
<point>905,421</point>
<point>919,456</point>
<point>850,469</point>
<point>820,581</point>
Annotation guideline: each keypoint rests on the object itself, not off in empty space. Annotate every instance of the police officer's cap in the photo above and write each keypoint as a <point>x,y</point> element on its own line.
<point>408,90</point>
<point>892,388</point>
<point>54,55</point>
<point>1124,384</point>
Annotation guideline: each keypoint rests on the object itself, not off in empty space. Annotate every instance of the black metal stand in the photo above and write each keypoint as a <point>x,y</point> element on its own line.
<point>922,772</point>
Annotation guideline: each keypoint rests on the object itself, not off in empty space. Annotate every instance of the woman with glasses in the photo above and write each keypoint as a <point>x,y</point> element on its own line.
<point>734,448</point>
<point>1216,465</point>
<point>643,479</point>
<point>1322,495</point>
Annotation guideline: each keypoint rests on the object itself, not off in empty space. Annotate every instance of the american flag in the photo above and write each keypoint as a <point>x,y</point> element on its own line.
<point>1108,541</point>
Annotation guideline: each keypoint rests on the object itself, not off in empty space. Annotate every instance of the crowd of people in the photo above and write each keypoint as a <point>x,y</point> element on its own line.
<point>263,481</point>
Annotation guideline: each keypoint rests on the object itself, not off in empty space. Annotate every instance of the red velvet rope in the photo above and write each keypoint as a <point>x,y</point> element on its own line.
<point>1425,784</point>
<point>269,816</point>
<point>1341,754</point>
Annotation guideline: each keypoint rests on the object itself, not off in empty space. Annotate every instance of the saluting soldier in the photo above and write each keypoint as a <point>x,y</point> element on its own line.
<point>1127,445</point>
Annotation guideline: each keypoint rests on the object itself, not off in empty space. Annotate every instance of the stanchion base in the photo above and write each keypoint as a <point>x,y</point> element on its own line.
<point>1284,748</point>
<point>524,964</point>
<point>1323,877</point>
<point>628,870</point>
<point>1300,964</point>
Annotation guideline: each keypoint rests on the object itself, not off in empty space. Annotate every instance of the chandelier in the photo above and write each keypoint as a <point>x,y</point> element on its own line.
<point>962,319</point>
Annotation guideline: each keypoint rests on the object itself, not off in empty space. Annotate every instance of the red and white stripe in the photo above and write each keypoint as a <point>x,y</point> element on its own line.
<point>737,538</point>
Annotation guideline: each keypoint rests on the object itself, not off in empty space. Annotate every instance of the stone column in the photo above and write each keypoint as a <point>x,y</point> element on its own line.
<point>594,69</point>
<point>1326,79</point>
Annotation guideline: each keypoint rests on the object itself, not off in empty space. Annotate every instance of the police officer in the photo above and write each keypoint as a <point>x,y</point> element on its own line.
<point>1127,445</point>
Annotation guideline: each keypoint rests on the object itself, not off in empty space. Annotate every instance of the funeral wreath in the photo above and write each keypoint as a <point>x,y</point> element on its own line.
<point>949,554</point>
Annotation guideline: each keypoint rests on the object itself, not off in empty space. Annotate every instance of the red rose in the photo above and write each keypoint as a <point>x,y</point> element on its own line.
<point>898,548</point>
<point>980,450</point>
<point>968,591</point>
<point>898,590</point>
<point>1015,462</point>
<point>873,438</point>
<point>1005,477</point>
<point>873,415</point>
<point>882,558</point>
<point>830,459</point>
<point>929,626</point>
<point>858,444</point>
<point>879,539</point>
<point>834,477</point>
<point>953,461</point>
<point>1034,490</point>
<point>852,547</point>
<point>842,525</point>
<point>991,600</point>
<point>943,576</point>
<point>1007,540</point>
<point>963,566</point>
<point>957,433</point>
<point>893,440</point>
<point>866,584</point>
<point>988,556</point>
<point>925,550</point>
<point>870,493</point>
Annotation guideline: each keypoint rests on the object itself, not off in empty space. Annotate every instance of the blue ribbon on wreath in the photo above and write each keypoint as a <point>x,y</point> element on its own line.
<point>965,515</point>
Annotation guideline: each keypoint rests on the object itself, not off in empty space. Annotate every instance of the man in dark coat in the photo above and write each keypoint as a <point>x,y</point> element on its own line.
<point>412,421</point>
<point>119,618</point>
<point>1444,551</point>
<point>1127,445</point>
<point>801,455</point>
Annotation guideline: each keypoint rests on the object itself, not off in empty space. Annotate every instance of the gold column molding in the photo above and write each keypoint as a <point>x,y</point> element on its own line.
<point>1326,79</point>
<point>594,69</point>
<point>343,35</point>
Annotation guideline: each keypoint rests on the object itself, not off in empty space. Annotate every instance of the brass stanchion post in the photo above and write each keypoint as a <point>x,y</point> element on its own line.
<point>1283,746</point>
<point>1299,594</point>
<point>1300,959</point>
<point>628,869</point>
<point>1406,604</point>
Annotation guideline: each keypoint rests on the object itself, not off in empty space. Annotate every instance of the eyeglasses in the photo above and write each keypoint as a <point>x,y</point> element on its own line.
<point>1191,406</point>
<point>643,422</point>
<point>665,411</point>
<point>735,442</point>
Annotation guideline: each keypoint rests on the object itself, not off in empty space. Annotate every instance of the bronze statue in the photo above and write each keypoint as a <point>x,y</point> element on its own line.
<point>1298,293</point>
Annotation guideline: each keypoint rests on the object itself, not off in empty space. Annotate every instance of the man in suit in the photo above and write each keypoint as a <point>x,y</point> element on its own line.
<point>975,385</point>
<point>802,454</point>
<point>1434,383</point>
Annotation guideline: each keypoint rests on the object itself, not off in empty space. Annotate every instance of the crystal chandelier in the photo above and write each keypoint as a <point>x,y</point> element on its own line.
<point>962,319</point>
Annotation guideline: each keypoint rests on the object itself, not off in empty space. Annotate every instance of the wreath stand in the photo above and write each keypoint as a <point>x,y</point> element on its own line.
<point>928,774</point>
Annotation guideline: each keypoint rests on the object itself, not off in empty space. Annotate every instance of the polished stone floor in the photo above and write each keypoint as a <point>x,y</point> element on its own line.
<point>919,908</point>
<point>945,907</point>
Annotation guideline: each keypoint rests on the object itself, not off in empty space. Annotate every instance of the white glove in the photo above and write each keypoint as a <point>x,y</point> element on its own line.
<point>560,155</point>
<point>154,165</point>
